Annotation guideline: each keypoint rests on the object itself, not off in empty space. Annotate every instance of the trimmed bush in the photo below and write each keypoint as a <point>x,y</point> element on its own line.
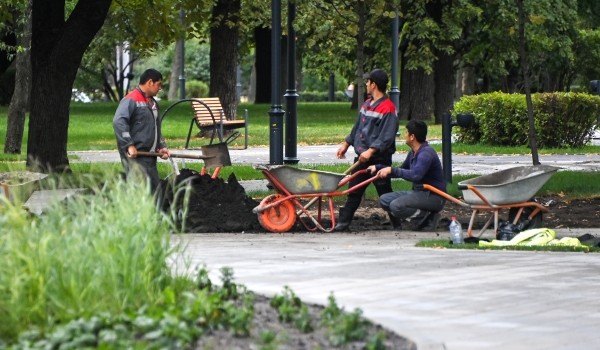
<point>562,119</point>
<point>321,96</point>
<point>196,88</point>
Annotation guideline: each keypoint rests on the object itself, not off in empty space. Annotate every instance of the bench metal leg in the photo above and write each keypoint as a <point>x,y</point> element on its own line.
<point>187,141</point>
<point>245,129</point>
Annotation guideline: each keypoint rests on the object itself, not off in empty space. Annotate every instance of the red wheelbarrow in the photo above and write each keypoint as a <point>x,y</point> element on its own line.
<point>510,189</point>
<point>278,212</point>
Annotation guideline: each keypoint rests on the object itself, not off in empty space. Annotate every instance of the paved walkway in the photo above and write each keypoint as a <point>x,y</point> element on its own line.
<point>439,298</point>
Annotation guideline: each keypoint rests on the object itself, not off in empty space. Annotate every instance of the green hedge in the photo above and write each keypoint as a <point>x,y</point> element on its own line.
<point>562,119</point>
<point>196,88</point>
<point>322,96</point>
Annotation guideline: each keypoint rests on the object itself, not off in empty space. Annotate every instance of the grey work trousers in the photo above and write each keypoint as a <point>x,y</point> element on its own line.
<point>408,204</point>
<point>147,164</point>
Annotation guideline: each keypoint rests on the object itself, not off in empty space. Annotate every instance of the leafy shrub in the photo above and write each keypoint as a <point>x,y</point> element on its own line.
<point>196,88</point>
<point>321,96</point>
<point>104,252</point>
<point>561,119</point>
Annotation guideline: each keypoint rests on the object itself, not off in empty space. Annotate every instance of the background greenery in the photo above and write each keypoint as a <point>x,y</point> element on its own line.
<point>561,119</point>
<point>318,123</point>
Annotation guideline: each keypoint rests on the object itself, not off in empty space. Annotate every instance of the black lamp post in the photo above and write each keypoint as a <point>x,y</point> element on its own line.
<point>291,96</point>
<point>464,120</point>
<point>276,112</point>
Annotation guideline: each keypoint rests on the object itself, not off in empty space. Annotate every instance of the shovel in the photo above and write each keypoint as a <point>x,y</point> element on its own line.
<point>216,155</point>
<point>312,201</point>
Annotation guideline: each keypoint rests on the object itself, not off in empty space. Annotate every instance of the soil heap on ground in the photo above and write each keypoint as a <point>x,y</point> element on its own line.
<point>213,206</point>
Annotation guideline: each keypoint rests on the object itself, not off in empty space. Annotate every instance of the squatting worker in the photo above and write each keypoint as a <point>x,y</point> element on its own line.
<point>137,126</point>
<point>417,209</point>
<point>373,138</point>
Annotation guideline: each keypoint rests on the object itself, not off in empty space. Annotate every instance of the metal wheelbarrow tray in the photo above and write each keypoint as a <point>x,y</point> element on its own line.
<point>507,186</point>
<point>505,189</point>
<point>17,186</point>
<point>278,212</point>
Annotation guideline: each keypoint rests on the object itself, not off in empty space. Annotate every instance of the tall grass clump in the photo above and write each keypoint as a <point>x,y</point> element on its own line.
<point>104,251</point>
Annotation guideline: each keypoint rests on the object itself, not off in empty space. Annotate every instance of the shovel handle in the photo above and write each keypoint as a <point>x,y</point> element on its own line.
<point>175,155</point>
<point>349,170</point>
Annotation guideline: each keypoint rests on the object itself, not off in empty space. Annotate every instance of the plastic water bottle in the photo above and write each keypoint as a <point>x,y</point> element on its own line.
<point>456,231</point>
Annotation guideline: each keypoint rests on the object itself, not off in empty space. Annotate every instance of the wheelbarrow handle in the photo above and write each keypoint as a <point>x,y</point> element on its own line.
<point>175,155</point>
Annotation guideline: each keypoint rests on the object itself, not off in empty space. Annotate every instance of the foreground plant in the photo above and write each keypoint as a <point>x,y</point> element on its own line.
<point>292,310</point>
<point>343,327</point>
<point>102,252</point>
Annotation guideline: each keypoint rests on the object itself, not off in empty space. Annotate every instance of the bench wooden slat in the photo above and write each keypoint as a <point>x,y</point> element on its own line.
<point>208,113</point>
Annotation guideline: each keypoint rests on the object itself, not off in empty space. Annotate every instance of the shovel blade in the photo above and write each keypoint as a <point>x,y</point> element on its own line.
<point>217,155</point>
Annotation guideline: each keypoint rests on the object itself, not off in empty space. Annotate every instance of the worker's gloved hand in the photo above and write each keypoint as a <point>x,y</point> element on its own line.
<point>132,151</point>
<point>164,153</point>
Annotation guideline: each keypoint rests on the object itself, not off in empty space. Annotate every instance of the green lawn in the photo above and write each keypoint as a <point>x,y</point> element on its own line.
<point>90,128</point>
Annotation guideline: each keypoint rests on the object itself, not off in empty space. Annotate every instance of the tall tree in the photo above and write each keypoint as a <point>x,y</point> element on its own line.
<point>524,58</point>
<point>57,46</point>
<point>224,53</point>
<point>19,103</point>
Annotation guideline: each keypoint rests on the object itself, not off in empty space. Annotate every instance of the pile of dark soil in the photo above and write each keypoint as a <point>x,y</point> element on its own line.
<point>214,205</point>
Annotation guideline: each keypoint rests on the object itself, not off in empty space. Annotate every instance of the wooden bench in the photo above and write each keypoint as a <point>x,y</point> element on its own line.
<point>208,114</point>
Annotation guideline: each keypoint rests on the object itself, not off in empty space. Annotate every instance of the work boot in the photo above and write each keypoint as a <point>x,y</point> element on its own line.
<point>344,220</point>
<point>396,222</point>
<point>431,222</point>
<point>416,222</point>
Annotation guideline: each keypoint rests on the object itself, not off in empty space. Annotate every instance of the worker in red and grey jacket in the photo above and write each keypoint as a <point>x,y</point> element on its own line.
<point>373,138</point>
<point>137,127</point>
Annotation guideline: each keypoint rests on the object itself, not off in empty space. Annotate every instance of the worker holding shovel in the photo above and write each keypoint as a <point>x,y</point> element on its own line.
<point>137,127</point>
<point>373,138</point>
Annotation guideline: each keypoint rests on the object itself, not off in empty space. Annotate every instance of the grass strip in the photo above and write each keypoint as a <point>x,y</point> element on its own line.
<point>447,244</point>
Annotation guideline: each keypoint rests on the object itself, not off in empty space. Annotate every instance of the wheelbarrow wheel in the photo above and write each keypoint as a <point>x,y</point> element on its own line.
<point>279,218</point>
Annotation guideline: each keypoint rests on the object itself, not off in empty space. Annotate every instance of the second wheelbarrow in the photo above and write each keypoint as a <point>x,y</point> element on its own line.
<point>278,212</point>
<point>510,189</point>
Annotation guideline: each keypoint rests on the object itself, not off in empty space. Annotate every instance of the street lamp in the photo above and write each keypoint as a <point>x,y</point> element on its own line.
<point>291,97</point>
<point>276,112</point>
<point>464,120</point>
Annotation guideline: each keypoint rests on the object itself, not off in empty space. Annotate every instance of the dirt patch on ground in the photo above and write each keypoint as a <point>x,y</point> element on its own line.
<point>266,319</point>
<point>216,205</point>
<point>578,213</point>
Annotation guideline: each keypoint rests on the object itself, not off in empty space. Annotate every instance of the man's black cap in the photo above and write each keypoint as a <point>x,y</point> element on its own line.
<point>379,77</point>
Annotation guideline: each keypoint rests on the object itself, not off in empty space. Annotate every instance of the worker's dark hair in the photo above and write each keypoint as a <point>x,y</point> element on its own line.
<point>150,74</point>
<point>417,128</point>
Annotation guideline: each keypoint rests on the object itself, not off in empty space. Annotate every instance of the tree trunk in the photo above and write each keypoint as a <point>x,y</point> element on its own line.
<point>523,53</point>
<point>417,95</point>
<point>262,65</point>
<point>57,47</point>
<point>467,82</point>
<point>175,69</point>
<point>224,54</point>
<point>444,85</point>
<point>20,98</point>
